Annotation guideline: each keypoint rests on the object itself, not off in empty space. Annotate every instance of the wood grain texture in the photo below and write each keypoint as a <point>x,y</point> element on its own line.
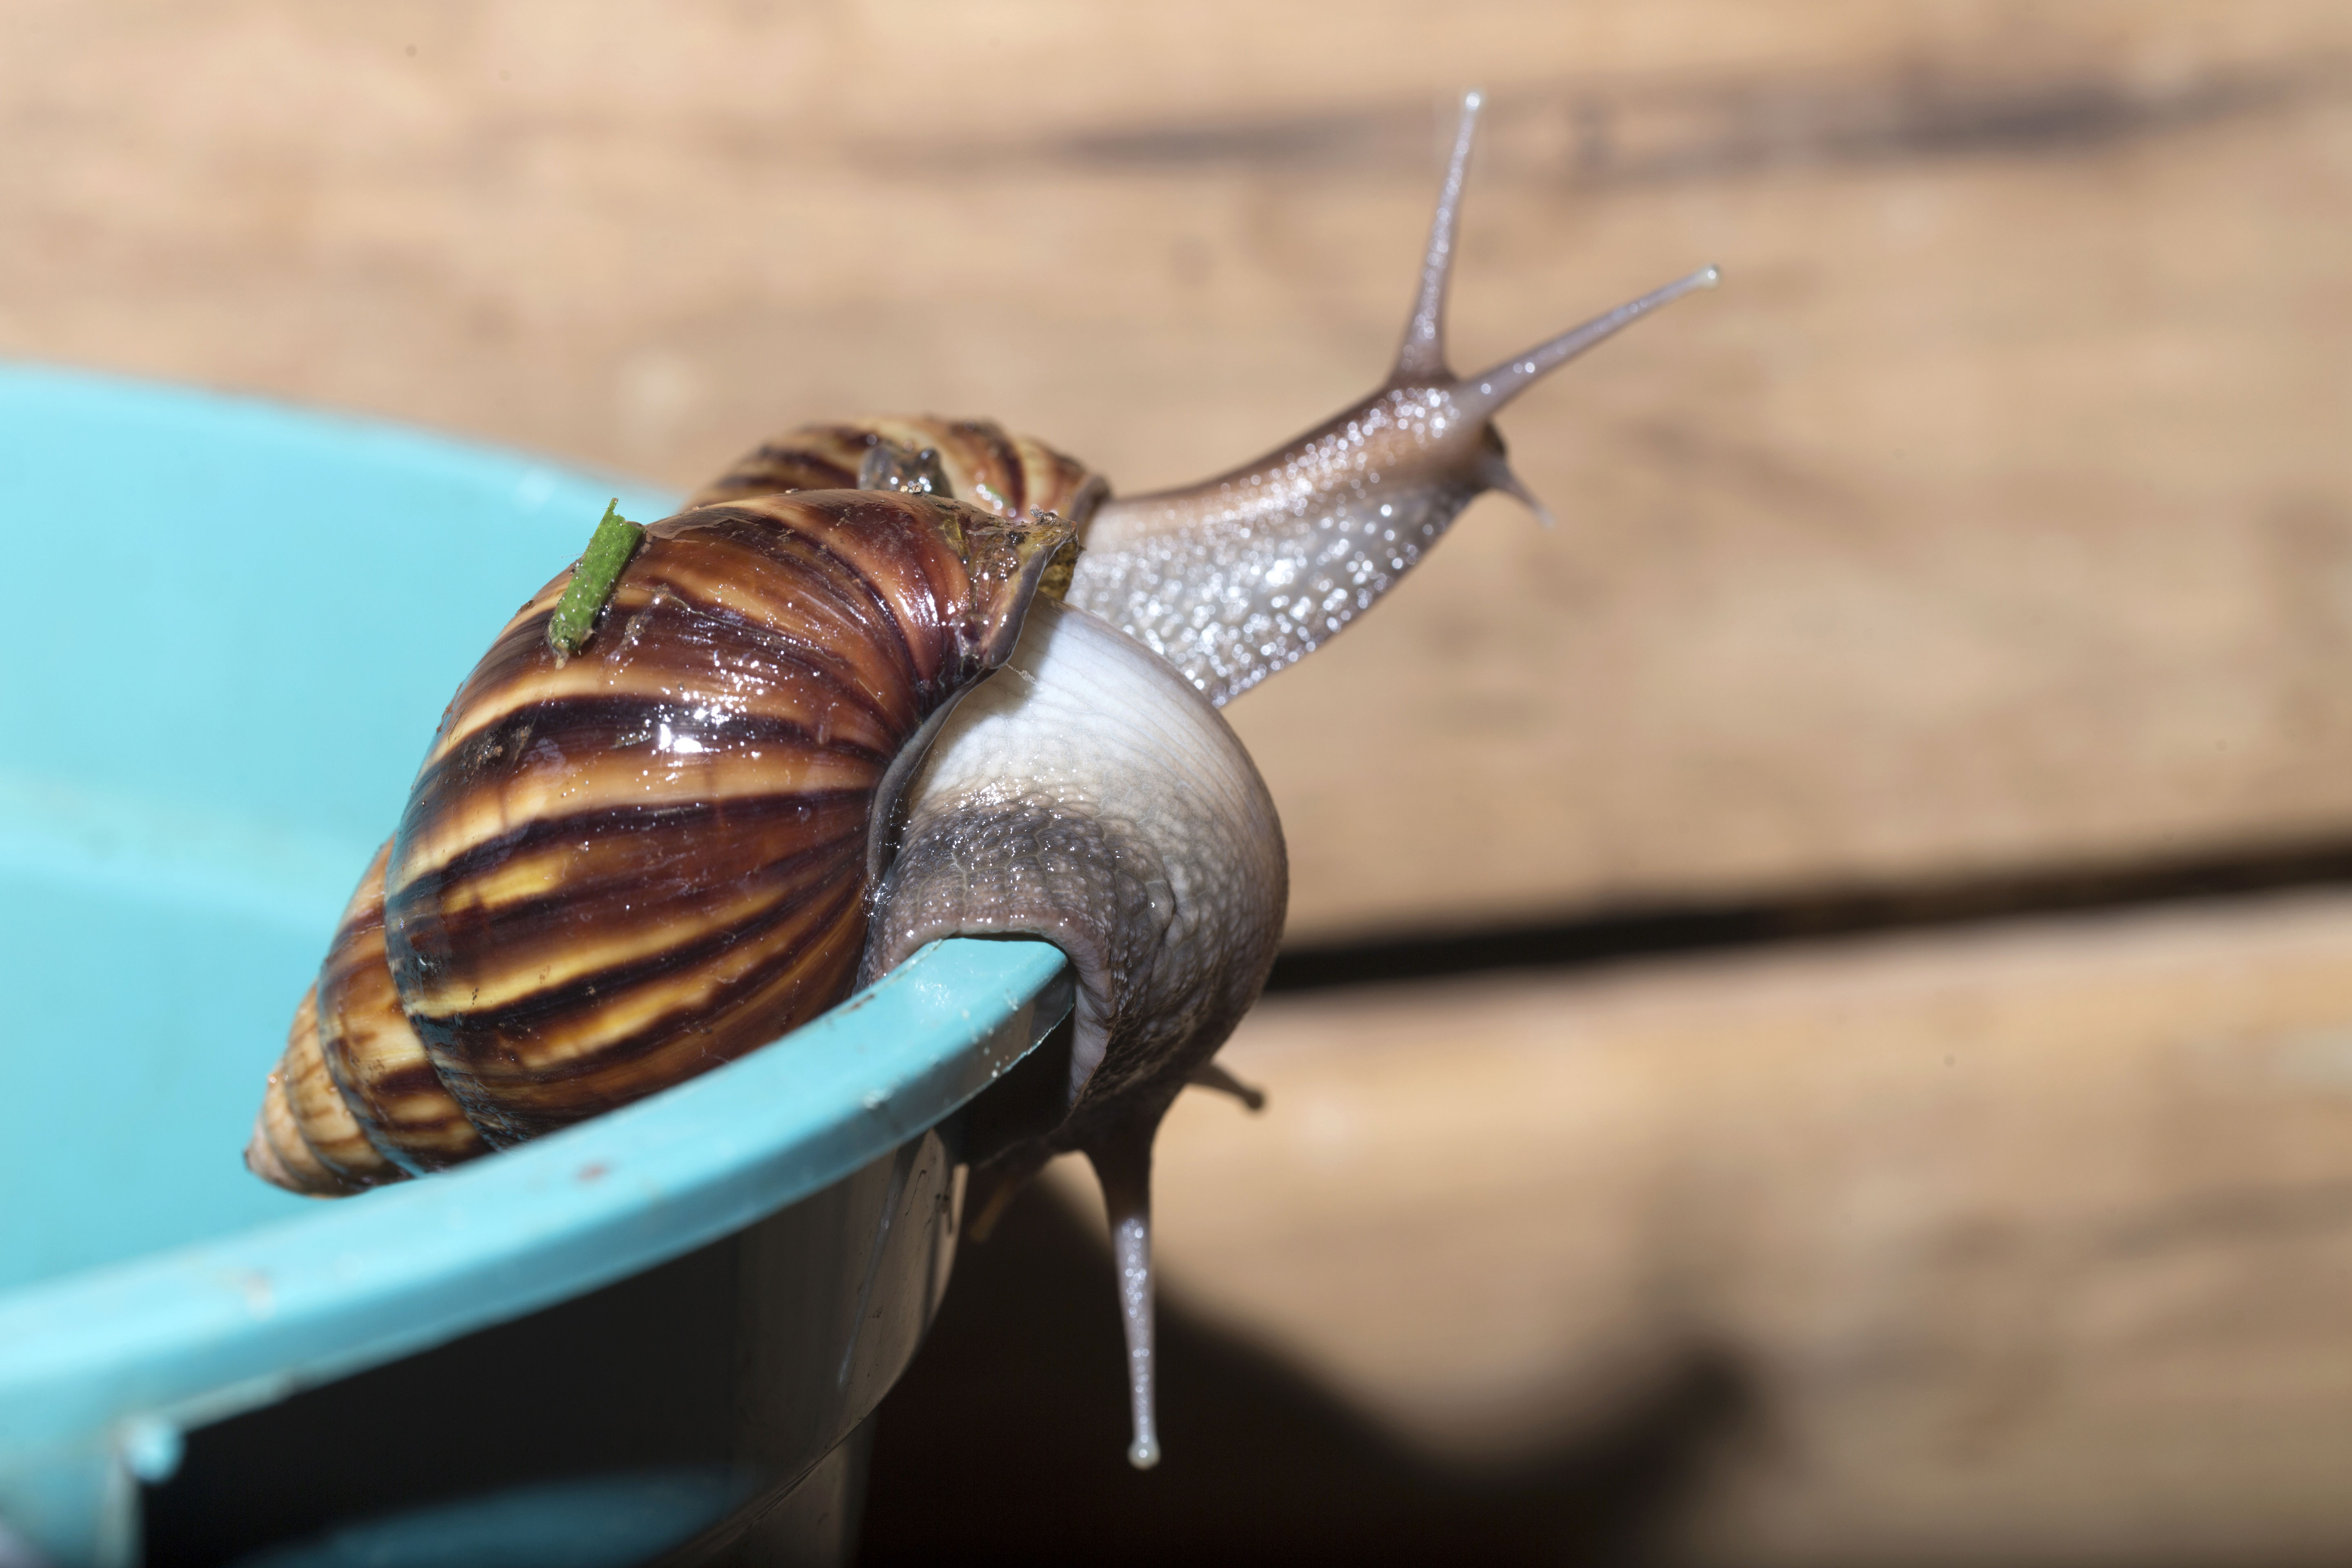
<point>1995,516</point>
<point>2022,1243</point>
<point>1997,512</point>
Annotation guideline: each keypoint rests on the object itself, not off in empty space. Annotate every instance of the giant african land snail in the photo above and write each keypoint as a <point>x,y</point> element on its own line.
<point>779,767</point>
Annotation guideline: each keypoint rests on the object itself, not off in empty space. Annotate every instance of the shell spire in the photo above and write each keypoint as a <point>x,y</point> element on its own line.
<point>1122,1160</point>
<point>641,847</point>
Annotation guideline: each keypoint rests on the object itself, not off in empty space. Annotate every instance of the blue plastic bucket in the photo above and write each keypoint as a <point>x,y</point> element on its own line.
<point>235,626</point>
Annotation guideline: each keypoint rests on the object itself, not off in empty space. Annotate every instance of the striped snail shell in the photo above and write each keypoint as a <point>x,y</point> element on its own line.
<point>980,462</point>
<point>1090,795</point>
<point>620,869</point>
<point>355,1100</point>
<point>763,779</point>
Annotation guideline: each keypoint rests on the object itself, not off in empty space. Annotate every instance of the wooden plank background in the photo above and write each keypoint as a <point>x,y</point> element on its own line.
<point>1994,518</point>
<point>1996,513</point>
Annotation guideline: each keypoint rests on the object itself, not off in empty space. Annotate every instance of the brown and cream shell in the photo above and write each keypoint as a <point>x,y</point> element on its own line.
<point>983,463</point>
<point>621,869</point>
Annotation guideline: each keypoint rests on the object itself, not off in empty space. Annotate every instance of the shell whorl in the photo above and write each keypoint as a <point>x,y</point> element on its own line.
<point>388,1115</point>
<point>986,466</point>
<point>621,869</point>
<point>305,1139</point>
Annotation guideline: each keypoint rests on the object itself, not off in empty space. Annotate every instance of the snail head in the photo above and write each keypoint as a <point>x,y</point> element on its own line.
<point>1245,572</point>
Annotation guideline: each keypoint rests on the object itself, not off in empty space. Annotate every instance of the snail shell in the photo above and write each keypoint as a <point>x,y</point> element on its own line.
<point>619,870</point>
<point>356,1101</point>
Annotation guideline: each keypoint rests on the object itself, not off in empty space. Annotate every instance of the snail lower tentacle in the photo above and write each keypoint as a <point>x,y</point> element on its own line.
<point>1211,1075</point>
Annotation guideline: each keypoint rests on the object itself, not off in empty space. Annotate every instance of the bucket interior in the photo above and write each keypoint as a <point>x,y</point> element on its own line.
<point>234,628</point>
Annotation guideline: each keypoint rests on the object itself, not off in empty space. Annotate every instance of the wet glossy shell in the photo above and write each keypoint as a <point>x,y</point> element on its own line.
<point>619,870</point>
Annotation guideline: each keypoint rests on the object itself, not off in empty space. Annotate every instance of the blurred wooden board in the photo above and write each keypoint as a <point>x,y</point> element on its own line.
<point>1997,512</point>
<point>2028,1243</point>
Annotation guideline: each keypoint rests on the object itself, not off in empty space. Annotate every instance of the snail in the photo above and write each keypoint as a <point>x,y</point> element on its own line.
<point>884,681</point>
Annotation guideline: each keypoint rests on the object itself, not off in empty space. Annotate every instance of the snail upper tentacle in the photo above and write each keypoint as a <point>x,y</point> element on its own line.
<point>1248,572</point>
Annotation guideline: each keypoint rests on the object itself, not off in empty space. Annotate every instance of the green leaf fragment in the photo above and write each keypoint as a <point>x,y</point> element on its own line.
<point>592,580</point>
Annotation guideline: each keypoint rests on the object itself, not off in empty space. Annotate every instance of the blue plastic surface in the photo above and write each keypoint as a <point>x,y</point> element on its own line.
<point>235,626</point>
<point>605,1524</point>
<point>242,624</point>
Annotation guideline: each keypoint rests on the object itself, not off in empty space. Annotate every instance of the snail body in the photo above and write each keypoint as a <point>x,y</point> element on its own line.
<point>1090,795</point>
<point>837,709</point>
